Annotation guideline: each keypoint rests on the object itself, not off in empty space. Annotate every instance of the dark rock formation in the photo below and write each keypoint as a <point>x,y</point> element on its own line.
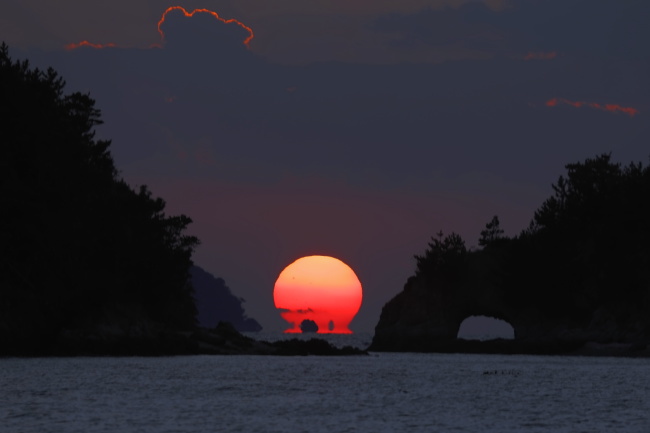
<point>215,303</point>
<point>313,346</point>
<point>224,339</point>
<point>575,281</point>
<point>308,326</point>
<point>426,317</point>
<point>151,340</point>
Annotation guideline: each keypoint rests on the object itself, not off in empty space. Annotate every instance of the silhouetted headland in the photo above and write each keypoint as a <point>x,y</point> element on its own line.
<point>82,253</point>
<point>576,281</point>
<point>89,265</point>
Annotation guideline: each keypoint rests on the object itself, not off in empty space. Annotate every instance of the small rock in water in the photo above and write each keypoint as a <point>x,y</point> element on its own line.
<point>308,326</point>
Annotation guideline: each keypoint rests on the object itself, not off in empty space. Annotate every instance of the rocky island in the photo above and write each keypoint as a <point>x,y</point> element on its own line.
<point>575,281</point>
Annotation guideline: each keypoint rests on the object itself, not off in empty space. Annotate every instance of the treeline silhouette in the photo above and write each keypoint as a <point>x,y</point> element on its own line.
<point>584,258</point>
<point>79,248</point>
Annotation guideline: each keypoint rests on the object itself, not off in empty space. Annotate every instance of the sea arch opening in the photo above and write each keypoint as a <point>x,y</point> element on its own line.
<point>478,327</point>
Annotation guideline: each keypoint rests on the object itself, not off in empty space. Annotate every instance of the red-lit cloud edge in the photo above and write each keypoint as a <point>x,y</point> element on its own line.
<point>246,41</point>
<point>74,46</point>
<point>612,108</point>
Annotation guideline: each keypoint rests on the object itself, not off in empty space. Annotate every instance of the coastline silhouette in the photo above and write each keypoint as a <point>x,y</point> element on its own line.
<point>92,265</point>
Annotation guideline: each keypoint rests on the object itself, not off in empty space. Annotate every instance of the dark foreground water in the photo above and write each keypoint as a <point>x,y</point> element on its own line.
<point>377,393</point>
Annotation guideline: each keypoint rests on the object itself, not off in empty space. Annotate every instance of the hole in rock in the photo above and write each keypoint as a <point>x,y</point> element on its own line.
<point>485,328</point>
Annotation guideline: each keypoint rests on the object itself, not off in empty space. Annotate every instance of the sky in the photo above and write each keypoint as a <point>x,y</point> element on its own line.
<point>356,129</point>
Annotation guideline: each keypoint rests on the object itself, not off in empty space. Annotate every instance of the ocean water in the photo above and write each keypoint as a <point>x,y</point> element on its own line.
<point>382,392</point>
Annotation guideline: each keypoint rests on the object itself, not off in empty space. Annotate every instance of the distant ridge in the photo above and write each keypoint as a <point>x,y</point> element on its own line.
<point>216,303</point>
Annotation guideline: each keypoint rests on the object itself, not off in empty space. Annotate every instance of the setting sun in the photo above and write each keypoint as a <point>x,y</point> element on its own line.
<point>321,289</point>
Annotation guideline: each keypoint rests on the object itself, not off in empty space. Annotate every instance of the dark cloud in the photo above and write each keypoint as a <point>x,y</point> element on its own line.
<point>202,29</point>
<point>471,25</point>
<point>585,27</point>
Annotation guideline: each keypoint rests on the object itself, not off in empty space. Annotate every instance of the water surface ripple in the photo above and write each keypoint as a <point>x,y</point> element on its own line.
<point>381,392</point>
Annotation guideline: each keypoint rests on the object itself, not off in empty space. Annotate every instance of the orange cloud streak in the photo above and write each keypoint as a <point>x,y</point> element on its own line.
<point>246,42</point>
<point>88,44</point>
<point>606,107</point>
<point>540,55</point>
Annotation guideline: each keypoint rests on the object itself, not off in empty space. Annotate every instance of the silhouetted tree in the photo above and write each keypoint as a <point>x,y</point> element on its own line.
<point>586,250</point>
<point>444,257</point>
<point>492,232</point>
<point>77,244</point>
<point>588,244</point>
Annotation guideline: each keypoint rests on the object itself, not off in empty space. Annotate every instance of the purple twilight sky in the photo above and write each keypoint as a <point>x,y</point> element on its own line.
<point>356,129</point>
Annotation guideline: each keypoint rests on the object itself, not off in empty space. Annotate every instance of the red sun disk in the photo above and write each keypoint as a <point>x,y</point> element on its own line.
<point>318,288</point>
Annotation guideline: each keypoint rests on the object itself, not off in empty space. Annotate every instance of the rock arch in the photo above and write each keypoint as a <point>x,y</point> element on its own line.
<point>485,328</point>
<point>427,315</point>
